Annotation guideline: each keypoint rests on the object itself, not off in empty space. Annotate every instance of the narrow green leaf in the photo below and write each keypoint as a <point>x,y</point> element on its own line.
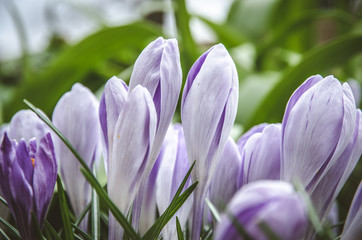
<point>315,61</point>
<point>83,214</point>
<point>11,228</point>
<point>239,228</point>
<point>128,229</point>
<point>95,212</point>
<point>3,201</point>
<point>180,234</point>
<point>64,211</point>
<point>4,234</point>
<point>81,232</point>
<point>156,228</point>
<point>38,233</point>
<point>213,210</point>
<point>51,230</point>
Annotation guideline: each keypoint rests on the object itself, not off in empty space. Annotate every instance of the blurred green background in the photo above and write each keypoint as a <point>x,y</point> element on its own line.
<point>276,45</point>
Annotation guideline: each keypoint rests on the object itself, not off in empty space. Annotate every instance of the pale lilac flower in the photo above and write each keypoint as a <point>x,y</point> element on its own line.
<point>76,117</point>
<point>208,110</point>
<point>260,153</point>
<point>318,130</point>
<point>172,170</point>
<point>225,181</point>
<point>356,89</point>
<point>134,133</point>
<point>353,225</point>
<point>110,106</point>
<point>270,202</point>
<point>28,172</point>
<point>158,69</point>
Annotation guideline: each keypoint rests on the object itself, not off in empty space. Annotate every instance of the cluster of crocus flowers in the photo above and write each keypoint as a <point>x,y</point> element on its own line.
<point>250,181</point>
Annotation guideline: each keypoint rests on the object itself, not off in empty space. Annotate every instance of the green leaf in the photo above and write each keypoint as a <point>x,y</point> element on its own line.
<point>268,231</point>
<point>128,229</point>
<point>51,230</point>
<point>315,61</point>
<point>81,232</point>
<point>213,210</point>
<point>180,234</point>
<point>177,201</point>
<point>83,214</point>
<point>4,234</point>
<point>11,228</point>
<point>89,176</point>
<point>77,62</point>
<point>95,212</point>
<point>239,228</point>
<point>64,211</point>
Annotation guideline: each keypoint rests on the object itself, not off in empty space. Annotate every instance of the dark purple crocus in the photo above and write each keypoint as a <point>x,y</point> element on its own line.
<point>269,202</point>
<point>28,174</point>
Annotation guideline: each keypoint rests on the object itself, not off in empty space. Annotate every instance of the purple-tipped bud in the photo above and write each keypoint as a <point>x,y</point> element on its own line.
<point>267,202</point>
<point>76,116</point>
<point>318,126</point>
<point>132,140</point>
<point>208,110</point>
<point>353,225</point>
<point>260,153</point>
<point>225,182</point>
<point>172,170</point>
<point>28,173</point>
<point>111,104</point>
<point>158,69</point>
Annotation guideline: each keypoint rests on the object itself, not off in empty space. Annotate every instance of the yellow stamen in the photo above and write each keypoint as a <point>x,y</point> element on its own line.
<point>32,161</point>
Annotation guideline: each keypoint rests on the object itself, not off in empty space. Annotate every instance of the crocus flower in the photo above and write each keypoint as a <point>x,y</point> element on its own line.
<point>158,69</point>
<point>260,153</point>
<point>28,173</point>
<point>132,140</point>
<point>111,104</point>
<point>225,181</point>
<point>270,202</point>
<point>317,130</point>
<point>353,225</point>
<point>76,116</point>
<point>208,110</point>
<point>356,89</point>
<point>172,170</point>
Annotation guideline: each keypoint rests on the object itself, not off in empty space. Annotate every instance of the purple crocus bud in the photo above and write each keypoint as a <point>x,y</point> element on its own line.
<point>225,182</point>
<point>28,173</point>
<point>318,125</point>
<point>353,225</point>
<point>261,154</point>
<point>76,117</point>
<point>270,202</point>
<point>158,69</point>
<point>133,137</point>
<point>26,125</point>
<point>208,110</point>
<point>256,129</point>
<point>172,170</point>
<point>111,104</point>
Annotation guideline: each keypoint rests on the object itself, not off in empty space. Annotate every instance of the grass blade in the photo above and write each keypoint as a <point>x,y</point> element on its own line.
<point>83,214</point>
<point>213,210</point>
<point>82,233</point>
<point>175,204</point>
<point>4,234</point>
<point>51,230</point>
<point>239,228</point>
<point>95,212</point>
<point>38,233</point>
<point>64,211</point>
<point>180,235</point>
<point>268,231</point>
<point>11,228</point>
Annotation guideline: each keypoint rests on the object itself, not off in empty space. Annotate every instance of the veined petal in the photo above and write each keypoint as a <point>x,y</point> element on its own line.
<point>158,69</point>
<point>244,138</point>
<point>353,225</point>
<point>45,176</point>
<point>111,104</point>
<point>261,155</point>
<point>76,116</point>
<point>26,125</point>
<point>134,134</point>
<point>225,181</point>
<point>322,112</point>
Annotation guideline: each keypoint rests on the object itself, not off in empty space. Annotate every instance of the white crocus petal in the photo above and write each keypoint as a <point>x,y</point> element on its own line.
<point>133,137</point>
<point>76,116</point>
